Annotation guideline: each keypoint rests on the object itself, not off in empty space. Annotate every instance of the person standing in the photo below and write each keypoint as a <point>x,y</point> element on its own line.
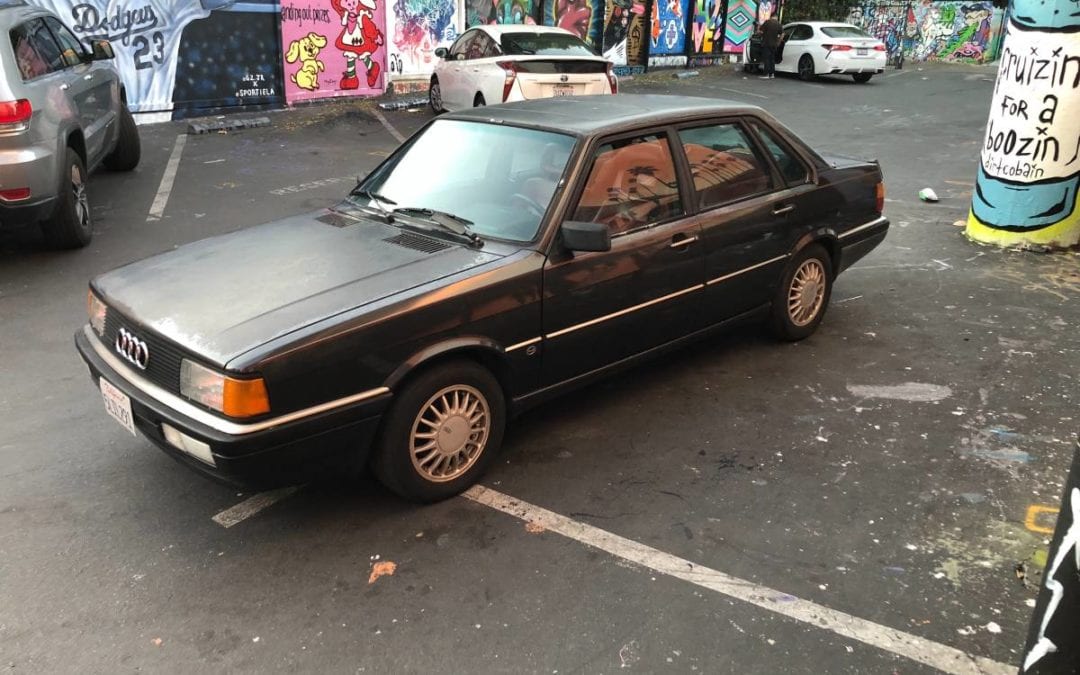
<point>770,39</point>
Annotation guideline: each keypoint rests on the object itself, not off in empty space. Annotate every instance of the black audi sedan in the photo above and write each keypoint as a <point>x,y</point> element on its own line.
<point>501,255</point>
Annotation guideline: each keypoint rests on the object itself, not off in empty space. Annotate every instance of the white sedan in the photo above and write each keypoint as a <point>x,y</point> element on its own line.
<point>495,64</point>
<point>822,48</point>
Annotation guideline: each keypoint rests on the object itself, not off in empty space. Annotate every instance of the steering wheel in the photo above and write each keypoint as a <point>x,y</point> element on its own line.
<point>535,207</point>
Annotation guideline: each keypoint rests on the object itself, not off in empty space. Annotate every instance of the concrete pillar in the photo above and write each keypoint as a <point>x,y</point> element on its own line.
<point>1026,189</point>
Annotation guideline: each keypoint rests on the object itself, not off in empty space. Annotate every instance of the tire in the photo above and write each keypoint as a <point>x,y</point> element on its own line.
<point>479,101</point>
<point>803,294</point>
<point>69,225</point>
<point>435,96</point>
<point>806,68</point>
<point>448,387</point>
<point>862,78</point>
<point>125,156</point>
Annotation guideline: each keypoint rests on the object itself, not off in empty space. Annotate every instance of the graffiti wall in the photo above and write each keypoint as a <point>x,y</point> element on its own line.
<point>487,12</point>
<point>416,28</point>
<point>1029,172</point>
<point>741,15</point>
<point>624,32</point>
<point>333,48</point>
<point>667,32</point>
<point>707,26</point>
<point>147,36</point>
<point>933,31</point>
<point>584,18</point>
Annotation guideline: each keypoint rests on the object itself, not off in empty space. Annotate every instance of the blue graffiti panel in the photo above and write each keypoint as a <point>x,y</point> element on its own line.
<point>668,30</point>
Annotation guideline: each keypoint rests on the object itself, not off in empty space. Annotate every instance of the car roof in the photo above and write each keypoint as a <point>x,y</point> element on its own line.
<point>592,115</point>
<point>498,30</point>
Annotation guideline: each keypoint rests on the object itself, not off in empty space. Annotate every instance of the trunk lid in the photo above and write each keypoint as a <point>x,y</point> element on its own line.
<point>548,76</point>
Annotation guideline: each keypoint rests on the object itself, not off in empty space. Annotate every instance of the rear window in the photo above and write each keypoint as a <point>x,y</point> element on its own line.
<point>544,44</point>
<point>845,32</point>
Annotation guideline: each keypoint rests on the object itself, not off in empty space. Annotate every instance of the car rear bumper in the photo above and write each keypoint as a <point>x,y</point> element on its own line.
<point>34,168</point>
<point>858,241</point>
<point>840,64</point>
<point>288,453</point>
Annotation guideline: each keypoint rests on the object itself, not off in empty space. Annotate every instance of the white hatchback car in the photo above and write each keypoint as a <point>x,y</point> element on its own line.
<point>822,48</point>
<point>495,64</point>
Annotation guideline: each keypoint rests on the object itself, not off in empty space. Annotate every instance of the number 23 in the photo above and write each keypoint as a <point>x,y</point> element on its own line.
<point>144,52</point>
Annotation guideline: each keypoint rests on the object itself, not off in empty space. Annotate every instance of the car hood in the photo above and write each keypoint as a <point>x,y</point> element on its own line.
<point>223,296</point>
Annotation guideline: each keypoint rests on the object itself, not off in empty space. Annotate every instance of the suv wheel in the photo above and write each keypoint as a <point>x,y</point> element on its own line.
<point>125,156</point>
<point>69,225</point>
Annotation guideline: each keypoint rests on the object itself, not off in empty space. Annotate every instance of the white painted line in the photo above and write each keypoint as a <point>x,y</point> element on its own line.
<point>165,189</point>
<point>744,93</point>
<point>252,505</point>
<point>389,127</point>
<point>898,73</point>
<point>933,654</point>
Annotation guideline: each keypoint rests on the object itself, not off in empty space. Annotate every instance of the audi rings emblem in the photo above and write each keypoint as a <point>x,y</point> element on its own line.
<point>132,348</point>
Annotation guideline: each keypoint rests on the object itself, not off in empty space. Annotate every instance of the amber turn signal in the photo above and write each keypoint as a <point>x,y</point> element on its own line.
<point>245,398</point>
<point>880,197</point>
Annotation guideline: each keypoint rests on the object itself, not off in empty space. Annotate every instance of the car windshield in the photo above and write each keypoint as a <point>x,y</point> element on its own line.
<point>845,32</point>
<point>544,44</point>
<point>499,178</point>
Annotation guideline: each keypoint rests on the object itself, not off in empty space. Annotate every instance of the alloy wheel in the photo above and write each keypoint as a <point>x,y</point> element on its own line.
<point>450,433</point>
<point>82,202</point>
<point>806,295</point>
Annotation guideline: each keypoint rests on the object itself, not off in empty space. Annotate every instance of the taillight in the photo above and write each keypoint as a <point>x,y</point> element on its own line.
<point>880,194</point>
<point>14,194</point>
<point>612,78</point>
<point>837,48</point>
<point>879,48</point>
<point>15,115</point>
<point>511,74</point>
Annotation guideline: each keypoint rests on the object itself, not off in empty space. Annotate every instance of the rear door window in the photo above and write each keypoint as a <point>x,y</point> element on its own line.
<point>724,164</point>
<point>791,167</point>
<point>36,52</point>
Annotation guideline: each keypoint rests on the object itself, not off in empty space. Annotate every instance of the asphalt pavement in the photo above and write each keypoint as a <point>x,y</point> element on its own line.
<point>877,498</point>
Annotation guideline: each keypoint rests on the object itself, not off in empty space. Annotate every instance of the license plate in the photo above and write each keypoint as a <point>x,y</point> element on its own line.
<point>118,405</point>
<point>564,90</point>
<point>862,51</point>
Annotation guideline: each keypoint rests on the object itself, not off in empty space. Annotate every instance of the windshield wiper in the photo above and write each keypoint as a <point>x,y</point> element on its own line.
<point>376,199</point>
<point>447,221</point>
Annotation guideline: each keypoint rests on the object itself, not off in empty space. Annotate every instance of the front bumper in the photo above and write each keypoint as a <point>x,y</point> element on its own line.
<point>255,455</point>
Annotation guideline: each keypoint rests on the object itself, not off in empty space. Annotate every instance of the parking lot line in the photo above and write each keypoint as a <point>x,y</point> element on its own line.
<point>165,189</point>
<point>252,505</point>
<point>744,93</point>
<point>930,653</point>
<point>389,127</point>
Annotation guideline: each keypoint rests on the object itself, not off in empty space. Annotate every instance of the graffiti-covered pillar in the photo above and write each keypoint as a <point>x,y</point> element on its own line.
<point>1026,189</point>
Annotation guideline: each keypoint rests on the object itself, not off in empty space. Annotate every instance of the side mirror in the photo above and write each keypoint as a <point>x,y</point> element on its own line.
<point>586,236</point>
<point>441,52</point>
<point>103,51</point>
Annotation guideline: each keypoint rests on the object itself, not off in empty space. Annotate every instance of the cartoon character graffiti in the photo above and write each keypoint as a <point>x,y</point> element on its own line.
<point>574,16</point>
<point>359,39</point>
<point>306,51</point>
<point>491,12</point>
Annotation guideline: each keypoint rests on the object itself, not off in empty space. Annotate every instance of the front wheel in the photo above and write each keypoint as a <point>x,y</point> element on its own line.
<point>435,96</point>
<point>69,225</point>
<point>803,294</point>
<point>862,78</point>
<point>806,68</point>
<point>441,433</point>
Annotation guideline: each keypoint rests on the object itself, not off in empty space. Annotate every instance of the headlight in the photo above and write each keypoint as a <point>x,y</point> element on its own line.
<point>96,310</point>
<point>235,398</point>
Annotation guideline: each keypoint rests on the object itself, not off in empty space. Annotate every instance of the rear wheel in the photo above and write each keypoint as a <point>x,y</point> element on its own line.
<point>803,294</point>
<point>441,433</point>
<point>479,101</point>
<point>125,156</point>
<point>435,96</point>
<point>862,78</point>
<point>806,68</point>
<point>69,225</point>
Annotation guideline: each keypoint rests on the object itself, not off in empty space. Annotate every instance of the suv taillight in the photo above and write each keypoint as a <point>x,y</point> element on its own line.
<point>15,115</point>
<point>510,69</point>
<point>612,78</point>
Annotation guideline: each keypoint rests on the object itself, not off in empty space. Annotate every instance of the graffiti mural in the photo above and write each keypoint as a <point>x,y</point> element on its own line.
<point>740,24</point>
<point>667,32</point>
<point>933,31</point>
<point>707,26</point>
<point>892,23</point>
<point>417,27</point>
<point>621,16</point>
<point>1029,172</point>
<point>488,12</point>
<point>580,17</point>
<point>146,36</point>
<point>333,48</point>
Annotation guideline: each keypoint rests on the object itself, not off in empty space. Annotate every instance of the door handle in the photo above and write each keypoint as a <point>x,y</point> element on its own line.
<point>781,210</point>
<point>680,240</point>
<point>65,86</point>
<point>88,77</point>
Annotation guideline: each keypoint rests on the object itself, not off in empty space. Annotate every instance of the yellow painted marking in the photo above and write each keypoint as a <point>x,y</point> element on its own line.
<point>1033,513</point>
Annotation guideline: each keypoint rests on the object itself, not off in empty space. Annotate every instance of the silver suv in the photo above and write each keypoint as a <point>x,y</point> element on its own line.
<point>62,113</point>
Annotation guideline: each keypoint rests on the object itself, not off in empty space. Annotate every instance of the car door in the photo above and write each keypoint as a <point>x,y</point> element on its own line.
<point>451,77</point>
<point>792,46</point>
<point>603,307</point>
<point>476,72</point>
<point>93,83</point>
<point>743,212</point>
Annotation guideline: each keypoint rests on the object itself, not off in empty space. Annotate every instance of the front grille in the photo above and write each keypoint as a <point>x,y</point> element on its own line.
<point>163,368</point>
